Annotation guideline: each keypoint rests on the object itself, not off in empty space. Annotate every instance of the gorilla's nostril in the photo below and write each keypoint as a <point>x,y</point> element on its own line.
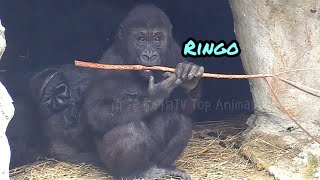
<point>153,57</point>
<point>145,57</point>
<point>149,57</point>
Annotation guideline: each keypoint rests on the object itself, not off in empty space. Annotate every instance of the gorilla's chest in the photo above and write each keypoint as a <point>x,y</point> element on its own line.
<point>132,90</point>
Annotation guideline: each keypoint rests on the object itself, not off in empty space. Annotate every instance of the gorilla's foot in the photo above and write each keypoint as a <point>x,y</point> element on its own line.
<point>178,173</point>
<point>154,173</point>
<point>150,174</point>
<point>162,173</point>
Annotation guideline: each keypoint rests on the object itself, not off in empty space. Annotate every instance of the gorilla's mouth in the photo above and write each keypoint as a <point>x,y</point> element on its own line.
<point>146,73</point>
<point>153,62</point>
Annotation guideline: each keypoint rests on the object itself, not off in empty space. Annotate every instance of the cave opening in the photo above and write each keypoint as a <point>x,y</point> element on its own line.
<point>42,34</point>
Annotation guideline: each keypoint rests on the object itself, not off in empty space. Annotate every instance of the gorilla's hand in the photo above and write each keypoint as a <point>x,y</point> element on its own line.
<point>163,88</point>
<point>56,97</point>
<point>190,74</point>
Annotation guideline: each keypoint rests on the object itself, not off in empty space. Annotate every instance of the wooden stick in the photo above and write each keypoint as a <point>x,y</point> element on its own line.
<point>288,114</point>
<point>121,67</point>
<point>161,68</point>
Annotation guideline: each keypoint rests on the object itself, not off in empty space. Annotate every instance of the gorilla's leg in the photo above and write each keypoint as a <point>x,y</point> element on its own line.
<point>175,134</point>
<point>126,150</point>
<point>79,157</point>
<point>62,150</point>
<point>172,131</point>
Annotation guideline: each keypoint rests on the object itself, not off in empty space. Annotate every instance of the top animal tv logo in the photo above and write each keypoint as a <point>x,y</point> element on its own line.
<point>193,48</point>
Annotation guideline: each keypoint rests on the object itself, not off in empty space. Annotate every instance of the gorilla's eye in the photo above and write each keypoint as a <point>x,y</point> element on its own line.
<point>140,38</point>
<point>157,39</point>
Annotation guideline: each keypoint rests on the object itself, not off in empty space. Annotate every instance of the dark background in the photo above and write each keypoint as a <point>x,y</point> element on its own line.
<point>42,33</point>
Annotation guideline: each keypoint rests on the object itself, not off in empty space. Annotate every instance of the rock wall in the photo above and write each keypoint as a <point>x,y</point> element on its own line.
<point>6,114</point>
<point>2,40</point>
<point>279,36</point>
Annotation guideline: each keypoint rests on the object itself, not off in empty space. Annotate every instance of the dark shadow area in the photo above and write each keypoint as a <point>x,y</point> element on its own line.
<point>45,33</point>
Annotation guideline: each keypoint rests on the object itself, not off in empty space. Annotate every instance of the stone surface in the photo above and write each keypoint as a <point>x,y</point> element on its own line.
<point>2,40</point>
<point>277,36</point>
<point>6,114</point>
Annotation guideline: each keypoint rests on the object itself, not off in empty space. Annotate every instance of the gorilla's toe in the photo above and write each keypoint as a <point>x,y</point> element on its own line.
<point>178,173</point>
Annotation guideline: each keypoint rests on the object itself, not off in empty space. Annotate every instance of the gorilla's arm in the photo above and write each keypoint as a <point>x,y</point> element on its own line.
<point>98,103</point>
<point>103,98</point>
<point>187,99</point>
<point>189,92</point>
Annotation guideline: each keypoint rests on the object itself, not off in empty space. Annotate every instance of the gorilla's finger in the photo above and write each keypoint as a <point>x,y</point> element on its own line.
<point>151,82</point>
<point>167,74</point>
<point>60,102</point>
<point>62,90</point>
<point>194,69</point>
<point>186,68</point>
<point>177,82</point>
<point>199,72</point>
<point>178,173</point>
<point>169,81</point>
<point>179,70</point>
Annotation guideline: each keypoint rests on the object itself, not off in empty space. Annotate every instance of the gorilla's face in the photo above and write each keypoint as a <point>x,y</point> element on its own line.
<point>148,46</point>
<point>145,37</point>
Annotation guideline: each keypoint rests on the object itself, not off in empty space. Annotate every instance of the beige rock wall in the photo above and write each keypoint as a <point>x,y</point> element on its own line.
<point>6,114</point>
<point>277,36</point>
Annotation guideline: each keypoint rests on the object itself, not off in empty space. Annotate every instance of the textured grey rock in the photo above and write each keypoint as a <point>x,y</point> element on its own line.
<point>277,36</point>
<point>2,40</point>
<point>6,114</point>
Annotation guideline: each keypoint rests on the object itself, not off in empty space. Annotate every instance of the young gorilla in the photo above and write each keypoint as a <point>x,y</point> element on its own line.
<point>58,94</point>
<point>136,135</point>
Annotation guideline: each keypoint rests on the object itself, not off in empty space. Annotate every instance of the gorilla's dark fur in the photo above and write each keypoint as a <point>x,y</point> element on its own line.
<point>59,94</point>
<point>136,135</point>
<point>124,114</point>
<point>24,133</point>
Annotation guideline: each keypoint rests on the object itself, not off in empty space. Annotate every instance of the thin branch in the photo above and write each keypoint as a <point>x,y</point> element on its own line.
<point>301,87</point>
<point>161,68</point>
<point>288,114</point>
<point>297,70</point>
<point>308,90</point>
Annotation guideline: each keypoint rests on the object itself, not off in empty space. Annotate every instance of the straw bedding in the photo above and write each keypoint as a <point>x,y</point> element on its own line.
<point>209,155</point>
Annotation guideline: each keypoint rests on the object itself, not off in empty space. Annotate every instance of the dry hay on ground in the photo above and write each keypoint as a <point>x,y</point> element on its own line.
<point>50,169</point>
<point>266,150</point>
<point>271,153</point>
<point>207,157</point>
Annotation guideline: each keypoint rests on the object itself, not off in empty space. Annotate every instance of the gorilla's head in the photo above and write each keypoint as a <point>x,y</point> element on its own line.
<point>145,35</point>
